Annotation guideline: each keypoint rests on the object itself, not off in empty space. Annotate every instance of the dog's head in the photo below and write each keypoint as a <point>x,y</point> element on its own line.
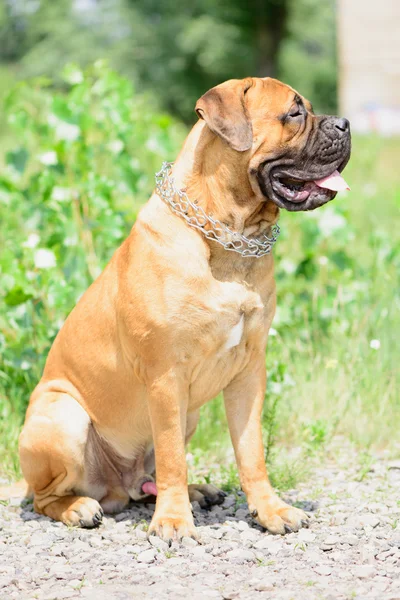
<point>293,155</point>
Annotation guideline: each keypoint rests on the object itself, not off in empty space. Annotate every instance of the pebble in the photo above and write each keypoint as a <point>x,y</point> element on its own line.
<point>352,540</point>
<point>157,542</point>
<point>200,554</point>
<point>332,540</point>
<point>360,521</point>
<point>188,542</point>
<point>240,555</point>
<point>394,464</point>
<point>146,557</point>
<point>242,514</point>
<point>273,546</point>
<point>364,571</point>
<point>140,534</point>
<point>305,535</point>
<point>323,570</point>
<point>263,587</point>
<point>352,548</point>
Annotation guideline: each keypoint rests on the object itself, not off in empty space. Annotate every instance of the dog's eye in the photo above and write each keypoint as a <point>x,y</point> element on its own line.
<point>295,111</point>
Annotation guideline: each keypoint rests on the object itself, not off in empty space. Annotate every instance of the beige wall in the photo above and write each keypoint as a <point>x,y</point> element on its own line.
<point>369,62</point>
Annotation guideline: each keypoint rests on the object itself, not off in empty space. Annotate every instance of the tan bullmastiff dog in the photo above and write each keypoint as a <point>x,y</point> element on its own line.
<point>181,312</point>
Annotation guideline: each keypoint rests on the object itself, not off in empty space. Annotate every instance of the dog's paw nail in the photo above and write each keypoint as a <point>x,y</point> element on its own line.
<point>305,523</point>
<point>97,518</point>
<point>288,529</point>
<point>101,512</point>
<point>222,494</point>
<point>82,523</point>
<point>254,513</point>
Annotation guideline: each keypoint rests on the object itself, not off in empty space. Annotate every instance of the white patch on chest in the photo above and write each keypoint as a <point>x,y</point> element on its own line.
<point>235,335</point>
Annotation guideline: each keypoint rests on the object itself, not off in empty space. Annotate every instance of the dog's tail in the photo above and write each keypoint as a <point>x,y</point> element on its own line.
<point>19,489</point>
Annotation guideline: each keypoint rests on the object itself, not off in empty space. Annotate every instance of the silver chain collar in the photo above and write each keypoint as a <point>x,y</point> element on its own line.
<point>179,202</point>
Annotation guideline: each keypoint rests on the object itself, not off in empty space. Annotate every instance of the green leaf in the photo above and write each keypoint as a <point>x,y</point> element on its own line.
<point>17,296</point>
<point>18,159</point>
<point>72,74</point>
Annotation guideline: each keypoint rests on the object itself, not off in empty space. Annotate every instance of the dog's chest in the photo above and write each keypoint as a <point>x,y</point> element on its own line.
<point>234,335</point>
<point>238,326</point>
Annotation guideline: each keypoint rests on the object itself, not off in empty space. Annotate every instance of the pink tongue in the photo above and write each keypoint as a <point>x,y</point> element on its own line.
<point>334,182</point>
<point>149,488</point>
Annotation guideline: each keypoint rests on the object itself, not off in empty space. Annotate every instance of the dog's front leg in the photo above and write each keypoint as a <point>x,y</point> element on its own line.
<point>243,403</point>
<point>168,398</point>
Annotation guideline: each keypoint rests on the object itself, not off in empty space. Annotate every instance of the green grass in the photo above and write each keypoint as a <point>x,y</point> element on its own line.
<point>339,378</point>
<point>335,382</point>
<point>337,272</point>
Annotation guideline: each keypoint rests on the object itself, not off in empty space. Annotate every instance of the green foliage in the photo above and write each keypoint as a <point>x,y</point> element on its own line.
<point>315,434</point>
<point>177,53</point>
<point>70,188</point>
<point>69,194</point>
<point>332,357</point>
<point>338,291</point>
<point>307,57</point>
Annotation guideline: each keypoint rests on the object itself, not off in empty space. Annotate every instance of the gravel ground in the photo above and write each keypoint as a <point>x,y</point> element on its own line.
<point>351,550</point>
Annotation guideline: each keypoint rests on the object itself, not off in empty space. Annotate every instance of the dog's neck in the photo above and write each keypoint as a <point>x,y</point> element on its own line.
<point>216,178</point>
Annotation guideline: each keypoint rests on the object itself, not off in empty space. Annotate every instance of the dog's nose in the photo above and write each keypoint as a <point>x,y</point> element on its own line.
<point>342,124</point>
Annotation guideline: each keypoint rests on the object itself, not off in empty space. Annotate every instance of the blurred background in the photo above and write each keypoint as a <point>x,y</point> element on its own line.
<point>96,93</point>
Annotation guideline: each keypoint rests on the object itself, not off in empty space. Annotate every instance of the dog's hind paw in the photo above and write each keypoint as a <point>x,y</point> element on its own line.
<point>84,512</point>
<point>206,495</point>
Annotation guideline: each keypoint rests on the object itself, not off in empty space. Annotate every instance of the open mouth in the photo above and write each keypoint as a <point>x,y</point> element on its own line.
<point>293,189</point>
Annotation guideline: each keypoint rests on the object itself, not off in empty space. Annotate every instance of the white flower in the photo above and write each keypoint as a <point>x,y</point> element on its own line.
<point>323,260</point>
<point>74,75</point>
<point>60,194</point>
<point>67,131</point>
<point>44,258</point>
<point>153,145</point>
<point>135,163</point>
<point>25,365</point>
<point>20,311</point>
<point>32,241</point>
<point>330,221</point>
<point>71,240</point>
<point>275,387</point>
<point>48,158</point>
<point>63,130</point>
<point>116,146</point>
<point>375,344</point>
<point>273,331</point>
<point>288,266</point>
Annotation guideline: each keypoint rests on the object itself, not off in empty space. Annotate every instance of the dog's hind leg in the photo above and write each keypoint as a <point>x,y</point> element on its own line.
<point>205,494</point>
<point>52,453</point>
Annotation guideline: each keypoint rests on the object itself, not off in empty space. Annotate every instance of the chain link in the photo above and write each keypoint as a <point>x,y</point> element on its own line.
<point>179,202</point>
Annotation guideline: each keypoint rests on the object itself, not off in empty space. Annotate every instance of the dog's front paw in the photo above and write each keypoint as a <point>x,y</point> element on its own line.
<point>170,528</point>
<point>279,517</point>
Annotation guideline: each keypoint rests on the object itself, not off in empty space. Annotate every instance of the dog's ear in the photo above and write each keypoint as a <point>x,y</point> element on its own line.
<point>223,108</point>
